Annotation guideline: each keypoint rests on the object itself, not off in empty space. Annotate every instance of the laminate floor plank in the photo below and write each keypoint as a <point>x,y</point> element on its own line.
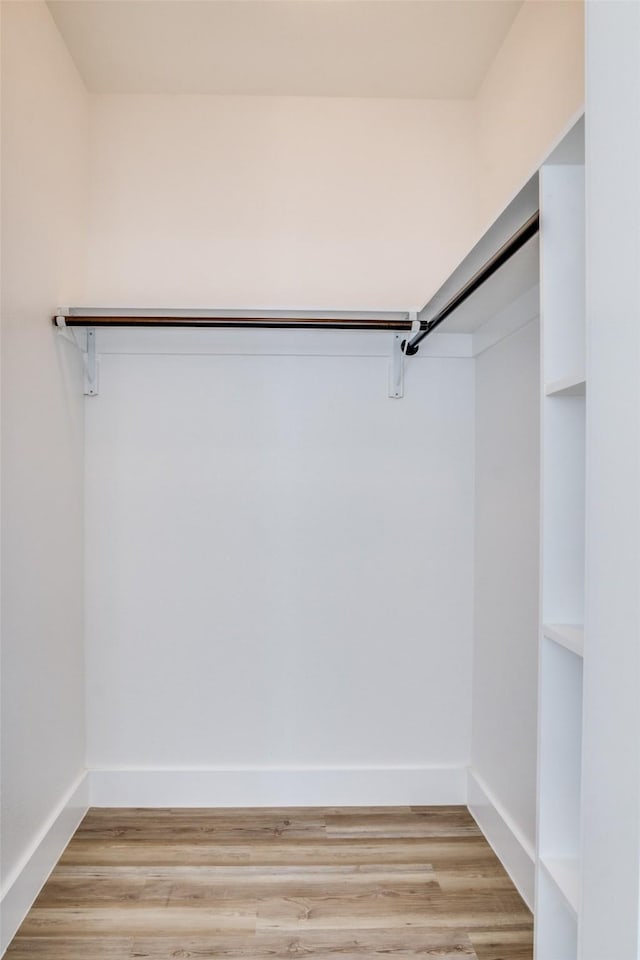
<point>467,851</point>
<point>506,945</point>
<point>269,884</point>
<point>78,948</point>
<point>357,873</point>
<point>318,945</point>
<point>201,829</point>
<point>90,892</point>
<point>418,822</point>
<point>201,891</point>
<point>380,909</point>
<point>125,921</point>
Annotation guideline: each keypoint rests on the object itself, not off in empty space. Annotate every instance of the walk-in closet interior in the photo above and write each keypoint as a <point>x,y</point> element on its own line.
<point>320,479</point>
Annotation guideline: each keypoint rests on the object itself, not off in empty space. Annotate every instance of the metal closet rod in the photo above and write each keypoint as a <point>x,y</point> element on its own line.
<point>276,323</point>
<point>526,232</point>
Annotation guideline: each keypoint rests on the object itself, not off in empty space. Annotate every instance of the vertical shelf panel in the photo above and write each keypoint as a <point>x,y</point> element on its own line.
<point>564,506</point>
<point>556,935</point>
<point>562,273</point>
<point>562,309</point>
<point>560,752</point>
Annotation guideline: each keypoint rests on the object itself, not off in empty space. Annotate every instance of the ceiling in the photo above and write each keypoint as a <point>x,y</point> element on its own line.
<point>331,48</point>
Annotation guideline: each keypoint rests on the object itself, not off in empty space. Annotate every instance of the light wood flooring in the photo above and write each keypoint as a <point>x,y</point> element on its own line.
<point>337,884</point>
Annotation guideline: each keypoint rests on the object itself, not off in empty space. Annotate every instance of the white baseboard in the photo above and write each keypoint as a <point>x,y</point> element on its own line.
<point>372,786</point>
<point>278,787</point>
<point>23,885</point>
<point>512,849</point>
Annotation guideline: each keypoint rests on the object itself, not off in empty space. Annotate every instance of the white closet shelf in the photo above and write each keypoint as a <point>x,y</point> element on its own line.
<point>565,874</point>
<point>573,386</point>
<point>568,635</point>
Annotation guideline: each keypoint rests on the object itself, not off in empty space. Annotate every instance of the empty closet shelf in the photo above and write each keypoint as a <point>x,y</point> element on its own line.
<point>568,635</point>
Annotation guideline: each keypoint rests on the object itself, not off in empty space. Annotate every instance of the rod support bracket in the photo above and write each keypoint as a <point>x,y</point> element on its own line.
<point>87,347</point>
<point>408,349</point>
<point>396,369</point>
<point>90,359</point>
<point>407,346</point>
<point>65,332</point>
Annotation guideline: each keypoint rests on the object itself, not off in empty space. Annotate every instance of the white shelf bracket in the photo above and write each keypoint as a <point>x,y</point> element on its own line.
<point>90,364</point>
<point>87,349</point>
<point>397,361</point>
<point>396,368</point>
<point>86,346</point>
<point>65,332</point>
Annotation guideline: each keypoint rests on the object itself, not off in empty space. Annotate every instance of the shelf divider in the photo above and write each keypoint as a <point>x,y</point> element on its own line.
<point>572,386</point>
<point>565,873</point>
<point>568,635</point>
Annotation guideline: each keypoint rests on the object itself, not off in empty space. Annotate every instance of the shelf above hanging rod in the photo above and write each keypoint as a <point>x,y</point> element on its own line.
<point>509,248</point>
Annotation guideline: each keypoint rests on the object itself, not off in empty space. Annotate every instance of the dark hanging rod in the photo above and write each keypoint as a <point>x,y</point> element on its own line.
<point>526,232</point>
<point>274,323</point>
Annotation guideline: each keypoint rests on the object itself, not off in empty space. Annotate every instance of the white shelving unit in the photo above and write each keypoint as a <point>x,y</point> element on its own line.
<point>562,293</point>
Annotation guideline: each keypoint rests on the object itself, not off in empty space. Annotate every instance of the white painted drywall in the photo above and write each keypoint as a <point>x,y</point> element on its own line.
<point>277,202</point>
<point>611,761</point>
<point>279,565</point>
<point>505,664</point>
<point>532,93</point>
<point>312,202</point>
<point>44,168</point>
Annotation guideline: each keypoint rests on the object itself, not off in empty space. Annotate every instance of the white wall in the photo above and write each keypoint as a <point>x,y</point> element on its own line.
<point>531,95</point>
<point>277,201</point>
<point>503,755</point>
<point>310,202</point>
<point>279,575</point>
<point>44,141</point>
